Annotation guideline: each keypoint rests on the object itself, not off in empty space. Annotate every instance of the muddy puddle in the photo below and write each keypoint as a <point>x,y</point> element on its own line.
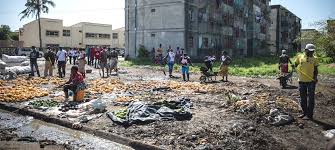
<point>38,130</point>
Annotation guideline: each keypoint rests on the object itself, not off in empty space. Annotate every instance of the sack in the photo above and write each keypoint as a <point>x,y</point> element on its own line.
<point>14,59</point>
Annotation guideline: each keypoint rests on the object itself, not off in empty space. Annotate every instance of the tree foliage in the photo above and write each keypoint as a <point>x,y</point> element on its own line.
<point>323,39</point>
<point>4,32</point>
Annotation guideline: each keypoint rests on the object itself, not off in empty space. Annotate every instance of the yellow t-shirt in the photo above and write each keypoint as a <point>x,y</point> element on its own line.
<point>305,67</point>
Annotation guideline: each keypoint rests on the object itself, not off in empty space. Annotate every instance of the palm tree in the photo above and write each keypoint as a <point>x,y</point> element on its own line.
<point>35,8</point>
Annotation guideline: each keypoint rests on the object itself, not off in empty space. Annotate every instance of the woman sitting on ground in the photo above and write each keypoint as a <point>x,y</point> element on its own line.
<point>76,83</point>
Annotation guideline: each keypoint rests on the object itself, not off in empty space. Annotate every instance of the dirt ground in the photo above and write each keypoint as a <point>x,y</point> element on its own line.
<point>219,122</point>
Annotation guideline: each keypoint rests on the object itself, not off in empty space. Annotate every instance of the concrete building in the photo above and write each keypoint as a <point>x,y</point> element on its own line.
<point>118,38</point>
<point>201,27</point>
<point>54,34</point>
<point>285,29</point>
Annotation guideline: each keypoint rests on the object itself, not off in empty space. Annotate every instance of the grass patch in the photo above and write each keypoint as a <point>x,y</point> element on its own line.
<point>248,67</point>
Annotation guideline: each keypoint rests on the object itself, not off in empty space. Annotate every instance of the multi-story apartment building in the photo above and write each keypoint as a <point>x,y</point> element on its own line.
<point>285,29</point>
<point>201,27</point>
<point>55,34</point>
<point>118,38</point>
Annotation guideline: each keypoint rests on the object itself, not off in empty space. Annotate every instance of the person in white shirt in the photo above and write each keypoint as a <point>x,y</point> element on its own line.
<point>61,62</point>
<point>70,54</point>
<point>170,60</point>
<point>75,55</point>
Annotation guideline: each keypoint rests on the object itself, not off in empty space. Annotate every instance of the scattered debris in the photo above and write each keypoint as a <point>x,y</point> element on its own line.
<point>279,118</point>
<point>329,133</point>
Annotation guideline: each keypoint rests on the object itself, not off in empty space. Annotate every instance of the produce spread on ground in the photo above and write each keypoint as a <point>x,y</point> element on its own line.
<point>242,114</point>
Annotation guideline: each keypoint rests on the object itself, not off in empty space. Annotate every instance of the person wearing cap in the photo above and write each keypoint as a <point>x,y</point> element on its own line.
<point>284,59</point>
<point>34,54</point>
<point>50,57</point>
<point>307,68</point>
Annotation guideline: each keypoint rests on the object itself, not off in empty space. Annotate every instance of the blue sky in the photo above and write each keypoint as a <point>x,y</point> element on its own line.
<point>112,11</point>
<point>309,10</point>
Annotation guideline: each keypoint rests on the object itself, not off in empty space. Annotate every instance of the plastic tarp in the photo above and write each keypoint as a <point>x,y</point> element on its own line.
<point>14,59</point>
<point>279,118</point>
<point>142,113</point>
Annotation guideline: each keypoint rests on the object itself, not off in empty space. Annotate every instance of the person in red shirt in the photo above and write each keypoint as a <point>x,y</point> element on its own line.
<point>92,54</point>
<point>97,57</point>
<point>75,83</point>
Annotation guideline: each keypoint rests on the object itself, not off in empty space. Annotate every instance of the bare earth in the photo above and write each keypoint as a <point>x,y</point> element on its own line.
<point>219,123</point>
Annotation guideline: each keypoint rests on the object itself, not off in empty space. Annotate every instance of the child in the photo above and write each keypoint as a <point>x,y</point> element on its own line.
<point>185,62</point>
<point>225,61</point>
<point>75,83</point>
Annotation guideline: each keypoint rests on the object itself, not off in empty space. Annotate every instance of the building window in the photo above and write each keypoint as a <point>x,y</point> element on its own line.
<point>52,33</point>
<point>115,35</point>
<point>153,10</point>
<point>97,35</point>
<point>153,35</point>
<point>66,33</point>
<point>205,42</point>
<point>190,42</point>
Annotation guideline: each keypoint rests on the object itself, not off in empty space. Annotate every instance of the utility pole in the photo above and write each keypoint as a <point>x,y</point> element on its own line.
<point>135,28</point>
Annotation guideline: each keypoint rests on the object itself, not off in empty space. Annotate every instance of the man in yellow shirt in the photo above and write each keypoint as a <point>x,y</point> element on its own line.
<point>307,68</point>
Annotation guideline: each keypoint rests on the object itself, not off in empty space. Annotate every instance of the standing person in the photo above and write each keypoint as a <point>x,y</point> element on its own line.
<point>160,54</point>
<point>92,54</point>
<point>307,68</point>
<point>70,54</point>
<point>33,61</point>
<point>61,62</point>
<point>225,62</point>
<point>170,60</point>
<point>178,54</point>
<point>113,61</point>
<point>82,62</point>
<point>97,57</point>
<point>75,83</point>
<point>185,62</point>
<point>152,54</point>
<point>103,61</point>
<point>88,54</point>
<point>75,55</point>
<point>50,58</point>
<point>284,59</point>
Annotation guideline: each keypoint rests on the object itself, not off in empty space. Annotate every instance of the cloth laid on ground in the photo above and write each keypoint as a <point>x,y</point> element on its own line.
<point>279,118</point>
<point>142,113</point>
<point>14,59</point>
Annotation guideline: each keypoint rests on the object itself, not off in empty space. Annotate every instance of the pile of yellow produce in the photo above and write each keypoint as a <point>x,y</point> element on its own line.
<point>106,86</point>
<point>22,89</point>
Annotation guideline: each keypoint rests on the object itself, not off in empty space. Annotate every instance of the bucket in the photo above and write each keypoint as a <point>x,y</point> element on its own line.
<point>80,96</point>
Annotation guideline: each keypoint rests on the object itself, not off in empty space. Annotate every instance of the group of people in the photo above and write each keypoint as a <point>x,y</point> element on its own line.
<point>103,58</point>
<point>181,57</point>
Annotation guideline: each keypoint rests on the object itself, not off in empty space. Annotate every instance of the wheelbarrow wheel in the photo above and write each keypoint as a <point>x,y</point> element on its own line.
<point>203,79</point>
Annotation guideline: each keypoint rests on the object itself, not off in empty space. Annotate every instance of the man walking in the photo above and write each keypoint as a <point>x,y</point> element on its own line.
<point>49,62</point>
<point>61,59</point>
<point>170,57</point>
<point>113,61</point>
<point>33,61</point>
<point>103,61</point>
<point>307,68</point>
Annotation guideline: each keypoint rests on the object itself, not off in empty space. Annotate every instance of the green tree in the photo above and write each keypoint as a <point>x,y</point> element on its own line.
<point>14,36</point>
<point>35,8</point>
<point>4,32</point>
